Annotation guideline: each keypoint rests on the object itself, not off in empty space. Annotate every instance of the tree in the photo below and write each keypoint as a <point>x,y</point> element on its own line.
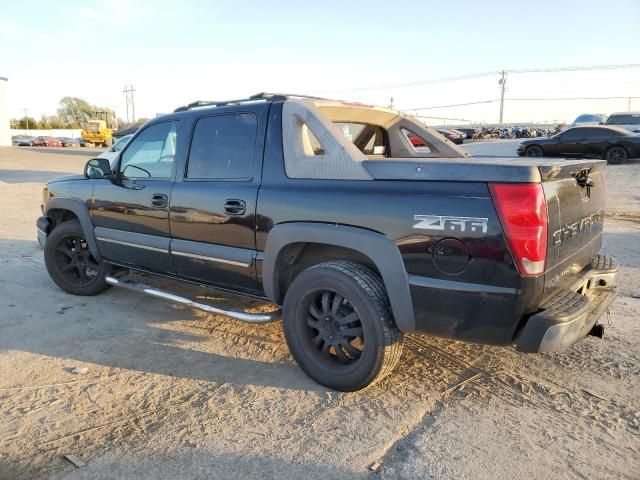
<point>74,111</point>
<point>27,123</point>
<point>55,122</point>
<point>44,123</point>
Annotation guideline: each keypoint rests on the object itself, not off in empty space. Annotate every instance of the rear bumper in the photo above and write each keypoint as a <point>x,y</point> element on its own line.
<point>571,313</point>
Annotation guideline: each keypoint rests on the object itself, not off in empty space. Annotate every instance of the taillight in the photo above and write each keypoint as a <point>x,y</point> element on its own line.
<point>523,213</point>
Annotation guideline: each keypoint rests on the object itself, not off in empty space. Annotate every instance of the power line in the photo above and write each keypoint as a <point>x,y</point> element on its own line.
<point>567,98</point>
<point>453,105</point>
<point>443,118</point>
<point>626,97</point>
<point>576,69</point>
<point>494,72</point>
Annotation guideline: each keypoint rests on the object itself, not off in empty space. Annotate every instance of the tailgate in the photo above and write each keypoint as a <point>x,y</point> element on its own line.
<point>575,194</point>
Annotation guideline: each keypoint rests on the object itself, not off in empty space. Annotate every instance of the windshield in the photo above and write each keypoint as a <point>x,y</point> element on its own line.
<point>626,119</point>
<point>93,126</point>
<point>588,118</point>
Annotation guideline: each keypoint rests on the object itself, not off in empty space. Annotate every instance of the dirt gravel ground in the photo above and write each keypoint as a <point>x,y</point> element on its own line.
<point>171,392</point>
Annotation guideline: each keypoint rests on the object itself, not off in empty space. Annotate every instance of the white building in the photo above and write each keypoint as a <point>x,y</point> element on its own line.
<point>5,138</point>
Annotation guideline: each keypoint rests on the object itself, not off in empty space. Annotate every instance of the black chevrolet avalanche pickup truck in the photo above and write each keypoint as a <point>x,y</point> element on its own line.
<point>333,212</point>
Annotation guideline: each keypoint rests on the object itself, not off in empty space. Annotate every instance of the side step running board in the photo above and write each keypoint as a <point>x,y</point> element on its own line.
<point>156,292</point>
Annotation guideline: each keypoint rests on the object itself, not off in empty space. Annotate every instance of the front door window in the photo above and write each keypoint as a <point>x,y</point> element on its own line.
<point>151,154</point>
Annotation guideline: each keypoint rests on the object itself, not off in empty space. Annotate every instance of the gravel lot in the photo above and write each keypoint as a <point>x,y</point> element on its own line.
<point>176,393</point>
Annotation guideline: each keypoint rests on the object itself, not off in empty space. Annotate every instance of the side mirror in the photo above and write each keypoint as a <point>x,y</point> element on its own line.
<point>97,168</point>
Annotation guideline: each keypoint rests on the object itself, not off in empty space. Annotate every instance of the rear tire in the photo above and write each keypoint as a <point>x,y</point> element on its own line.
<point>70,263</point>
<point>616,155</point>
<point>534,151</point>
<point>339,327</point>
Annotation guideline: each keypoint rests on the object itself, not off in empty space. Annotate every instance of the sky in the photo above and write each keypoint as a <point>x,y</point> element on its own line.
<point>175,52</point>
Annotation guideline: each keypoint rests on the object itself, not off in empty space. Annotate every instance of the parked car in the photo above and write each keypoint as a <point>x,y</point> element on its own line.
<point>468,132</point>
<point>588,119</point>
<point>455,137</point>
<point>46,142</point>
<point>264,198</point>
<point>627,120</point>
<point>614,144</point>
<point>21,141</point>
<point>69,142</point>
<point>112,152</point>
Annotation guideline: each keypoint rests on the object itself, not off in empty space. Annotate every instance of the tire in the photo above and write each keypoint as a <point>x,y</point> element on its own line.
<point>616,155</point>
<point>70,263</point>
<point>534,151</point>
<point>342,356</point>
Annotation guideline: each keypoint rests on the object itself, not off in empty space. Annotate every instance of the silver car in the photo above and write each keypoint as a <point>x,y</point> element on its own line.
<point>627,120</point>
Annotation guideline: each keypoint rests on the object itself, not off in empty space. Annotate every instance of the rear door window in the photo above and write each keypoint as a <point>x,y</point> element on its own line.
<point>223,147</point>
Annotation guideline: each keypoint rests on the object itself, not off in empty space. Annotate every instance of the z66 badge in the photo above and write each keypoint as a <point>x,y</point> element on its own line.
<point>454,224</point>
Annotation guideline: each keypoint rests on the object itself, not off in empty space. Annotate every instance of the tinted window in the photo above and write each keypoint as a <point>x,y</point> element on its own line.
<point>630,119</point>
<point>604,132</point>
<point>572,134</point>
<point>223,147</point>
<point>151,154</point>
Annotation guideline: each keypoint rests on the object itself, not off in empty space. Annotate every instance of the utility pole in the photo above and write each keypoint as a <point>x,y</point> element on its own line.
<point>390,102</point>
<point>128,98</point>
<point>629,104</point>
<point>502,82</point>
<point>26,116</point>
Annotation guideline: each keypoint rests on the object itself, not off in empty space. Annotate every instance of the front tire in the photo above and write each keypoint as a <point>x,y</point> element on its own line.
<point>616,155</point>
<point>534,151</point>
<point>70,262</point>
<point>339,327</point>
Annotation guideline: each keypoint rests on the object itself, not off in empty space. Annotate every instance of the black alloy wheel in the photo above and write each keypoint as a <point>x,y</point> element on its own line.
<point>75,262</point>
<point>336,332</point>
<point>617,155</point>
<point>534,151</point>
<point>70,262</point>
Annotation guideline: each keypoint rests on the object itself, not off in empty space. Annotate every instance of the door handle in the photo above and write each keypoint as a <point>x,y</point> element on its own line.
<point>235,207</point>
<point>159,200</point>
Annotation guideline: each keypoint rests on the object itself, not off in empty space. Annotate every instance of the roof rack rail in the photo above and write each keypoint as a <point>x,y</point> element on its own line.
<point>252,98</point>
